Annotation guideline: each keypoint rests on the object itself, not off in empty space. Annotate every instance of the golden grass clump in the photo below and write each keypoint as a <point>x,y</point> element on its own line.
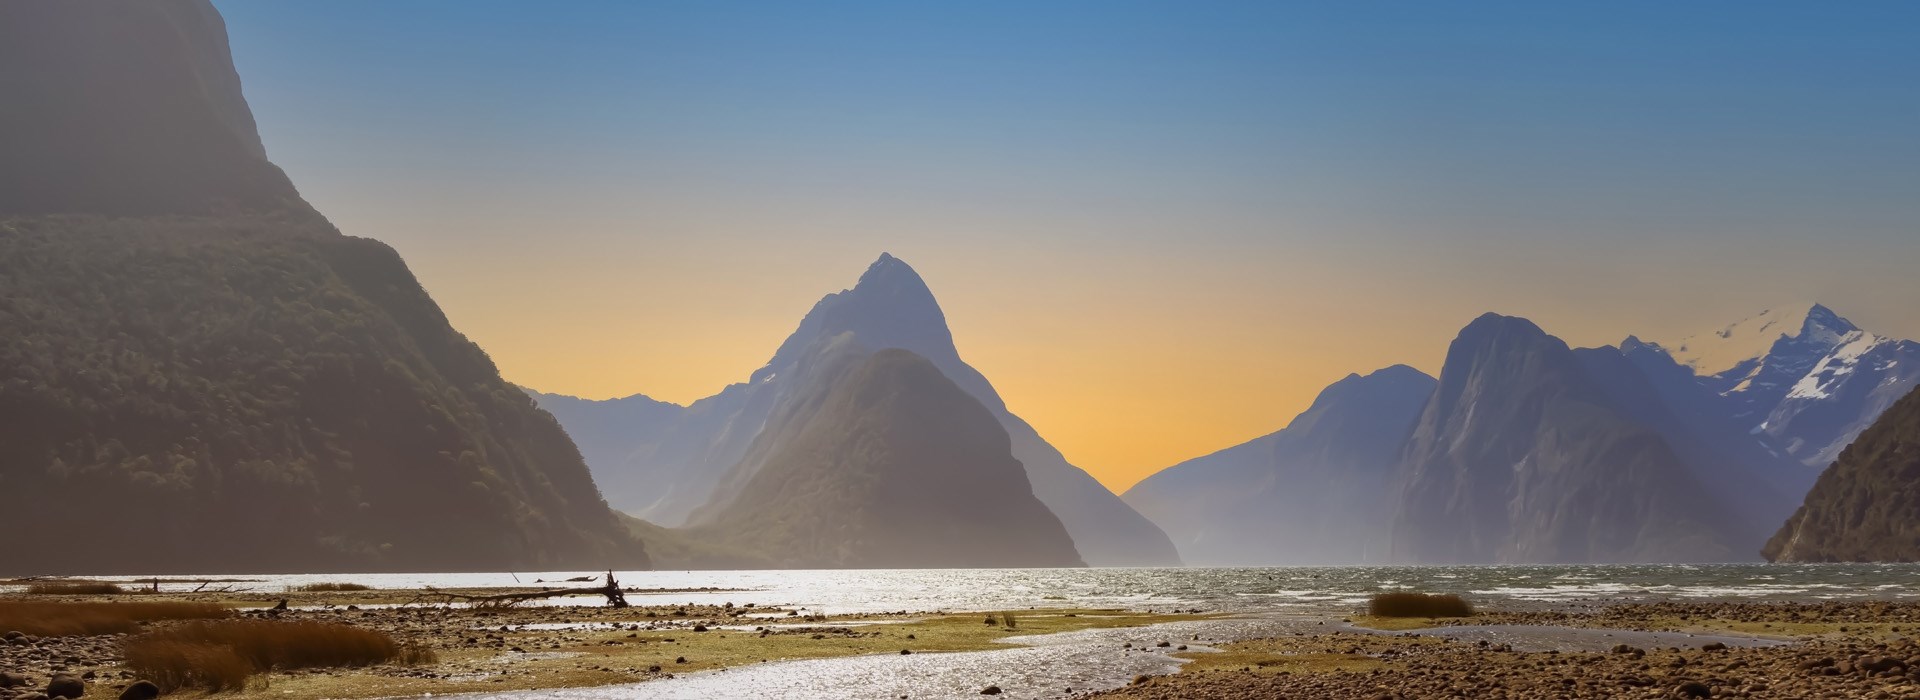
<point>207,654</point>
<point>174,665</point>
<point>1413,604</point>
<point>331,588</point>
<point>79,619</point>
<point>74,588</point>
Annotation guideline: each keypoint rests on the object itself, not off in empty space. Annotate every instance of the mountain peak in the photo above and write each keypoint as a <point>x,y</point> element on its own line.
<point>1491,326</point>
<point>888,273</point>
<point>1751,338</point>
<point>134,109</point>
<point>890,307</point>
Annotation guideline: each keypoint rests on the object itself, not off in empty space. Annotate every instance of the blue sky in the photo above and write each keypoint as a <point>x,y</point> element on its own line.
<point>622,197</point>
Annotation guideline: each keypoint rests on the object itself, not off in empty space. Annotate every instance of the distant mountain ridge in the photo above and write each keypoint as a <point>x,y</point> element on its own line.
<point>1804,375</point>
<point>1523,456</point>
<point>1313,493</point>
<point>1524,450</point>
<point>889,307</point>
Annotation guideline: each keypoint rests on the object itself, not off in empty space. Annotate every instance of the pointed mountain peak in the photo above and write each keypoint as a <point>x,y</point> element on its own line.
<point>1823,322</point>
<point>1749,339</point>
<point>890,307</point>
<point>892,275</point>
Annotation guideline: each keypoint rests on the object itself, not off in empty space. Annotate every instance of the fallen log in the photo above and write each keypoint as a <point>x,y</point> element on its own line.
<point>610,589</point>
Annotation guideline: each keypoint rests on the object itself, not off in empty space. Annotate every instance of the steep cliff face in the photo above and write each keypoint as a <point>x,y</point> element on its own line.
<point>1521,457</point>
<point>1318,492</point>
<point>198,373</point>
<point>881,461</point>
<point>126,108</point>
<point>1866,507</point>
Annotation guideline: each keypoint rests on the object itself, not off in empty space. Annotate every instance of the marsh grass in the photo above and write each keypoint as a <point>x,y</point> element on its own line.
<point>330,588</point>
<point>220,656</point>
<point>77,619</point>
<point>1415,604</point>
<point>74,588</point>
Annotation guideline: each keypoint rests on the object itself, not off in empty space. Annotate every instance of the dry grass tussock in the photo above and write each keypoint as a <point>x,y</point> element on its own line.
<point>1413,604</point>
<point>77,619</point>
<point>220,656</point>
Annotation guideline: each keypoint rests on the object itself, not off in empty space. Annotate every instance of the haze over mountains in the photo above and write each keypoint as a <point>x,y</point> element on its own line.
<point>1316,492</point>
<point>1530,451</point>
<point>880,461</point>
<point>1804,375</point>
<point>199,373</point>
<point>693,453</point>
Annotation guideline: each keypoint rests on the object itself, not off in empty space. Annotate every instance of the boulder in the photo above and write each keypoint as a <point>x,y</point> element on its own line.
<point>66,686</point>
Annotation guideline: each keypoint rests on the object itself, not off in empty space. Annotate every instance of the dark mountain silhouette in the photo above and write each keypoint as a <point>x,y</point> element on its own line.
<point>879,460</point>
<point>1866,507</point>
<point>198,373</point>
<point>1522,456</point>
<point>890,307</point>
<point>121,108</point>
<point>1317,492</point>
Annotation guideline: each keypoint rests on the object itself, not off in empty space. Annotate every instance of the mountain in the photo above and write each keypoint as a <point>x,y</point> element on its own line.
<point>1312,493</point>
<point>890,307</point>
<point>1751,476</point>
<point>1523,456</point>
<point>882,461</point>
<point>1866,507</point>
<point>126,108</point>
<point>609,432</point>
<point>1803,375</point>
<point>199,373</point>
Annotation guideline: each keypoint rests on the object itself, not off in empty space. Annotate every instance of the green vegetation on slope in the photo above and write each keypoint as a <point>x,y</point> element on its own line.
<point>882,461</point>
<point>262,393</point>
<point>1866,507</point>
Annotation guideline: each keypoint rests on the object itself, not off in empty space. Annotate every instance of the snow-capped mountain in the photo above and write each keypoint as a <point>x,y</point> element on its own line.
<point>1804,375</point>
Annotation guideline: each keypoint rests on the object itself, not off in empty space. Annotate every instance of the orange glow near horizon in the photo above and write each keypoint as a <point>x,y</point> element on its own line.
<point>1127,362</point>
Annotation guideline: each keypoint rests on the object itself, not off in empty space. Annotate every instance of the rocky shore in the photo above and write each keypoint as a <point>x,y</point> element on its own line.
<point>1841,650</point>
<point>534,646</point>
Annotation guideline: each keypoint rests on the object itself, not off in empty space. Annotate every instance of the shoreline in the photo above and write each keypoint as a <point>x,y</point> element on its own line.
<point>1631,649</point>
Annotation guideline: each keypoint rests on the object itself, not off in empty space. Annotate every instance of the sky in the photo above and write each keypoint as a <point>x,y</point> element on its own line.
<point>1158,228</point>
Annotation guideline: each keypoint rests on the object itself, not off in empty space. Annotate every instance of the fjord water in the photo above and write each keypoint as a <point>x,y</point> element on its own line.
<point>1297,590</point>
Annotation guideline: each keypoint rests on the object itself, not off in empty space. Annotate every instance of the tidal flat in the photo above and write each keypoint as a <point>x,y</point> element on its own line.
<point>535,646</point>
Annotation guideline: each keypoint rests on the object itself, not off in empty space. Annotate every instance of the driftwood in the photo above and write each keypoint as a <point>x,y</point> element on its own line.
<point>610,589</point>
